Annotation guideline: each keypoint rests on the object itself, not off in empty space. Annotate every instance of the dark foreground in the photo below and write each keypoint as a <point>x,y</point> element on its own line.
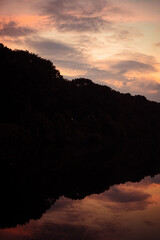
<point>28,189</point>
<point>76,197</point>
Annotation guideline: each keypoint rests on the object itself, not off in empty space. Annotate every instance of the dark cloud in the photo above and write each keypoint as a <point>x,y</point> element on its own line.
<point>74,15</point>
<point>62,231</point>
<point>129,65</point>
<point>150,223</point>
<point>8,6</point>
<point>72,64</point>
<point>157,44</point>
<point>79,231</point>
<point>150,180</point>
<point>101,75</point>
<point>3,3</point>
<point>69,7</point>
<point>126,200</point>
<point>116,194</point>
<point>149,85</point>
<point>11,29</point>
<point>147,181</point>
<point>83,24</point>
<point>96,74</point>
<point>150,88</point>
<point>93,73</point>
<point>52,231</point>
<point>53,49</point>
<point>156,179</point>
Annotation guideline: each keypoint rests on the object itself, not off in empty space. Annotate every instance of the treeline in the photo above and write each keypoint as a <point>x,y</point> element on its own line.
<point>38,104</point>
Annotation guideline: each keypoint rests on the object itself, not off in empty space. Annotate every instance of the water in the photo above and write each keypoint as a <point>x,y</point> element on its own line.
<point>129,211</point>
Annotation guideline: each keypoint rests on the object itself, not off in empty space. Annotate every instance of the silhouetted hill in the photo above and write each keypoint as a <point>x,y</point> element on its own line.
<point>37,104</point>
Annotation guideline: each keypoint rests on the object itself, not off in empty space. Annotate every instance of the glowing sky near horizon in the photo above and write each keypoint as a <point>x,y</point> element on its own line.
<point>112,42</point>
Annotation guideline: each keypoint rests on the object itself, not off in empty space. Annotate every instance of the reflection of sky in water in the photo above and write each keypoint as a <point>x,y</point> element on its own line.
<point>127,211</point>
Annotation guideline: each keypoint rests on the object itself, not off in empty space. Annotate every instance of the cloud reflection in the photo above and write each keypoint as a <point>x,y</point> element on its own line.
<point>125,211</point>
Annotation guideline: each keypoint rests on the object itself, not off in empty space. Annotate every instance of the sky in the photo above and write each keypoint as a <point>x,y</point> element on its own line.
<point>111,42</point>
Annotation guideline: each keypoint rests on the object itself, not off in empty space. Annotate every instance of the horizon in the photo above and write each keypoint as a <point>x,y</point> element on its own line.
<point>114,43</point>
<point>73,79</point>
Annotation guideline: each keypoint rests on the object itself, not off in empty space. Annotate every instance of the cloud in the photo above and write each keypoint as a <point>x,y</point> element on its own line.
<point>100,75</point>
<point>131,65</point>
<point>50,231</point>
<point>15,8</point>
<point>122,198</point>
<point>88,71</point>
<point>125,34</point>
<point>70,7</point>
<point>145,183</point>
<point>145,10</point>
<point>79,220</point>
<point>150,223</point>
<point>53,49</point>
<point>72,64</point>
<point>136,56</point>
<point>80,16</point>
<point>83,24</point>
<point>157,44</point>
<point>11,29</point>
<point>155,96</point>
<point>63,231</point>
<point>156,179</point>
<point>150,180</point>
<point>72,231</point>
<point>147,87</point>
<point>116,194</point>
<point>140,86</point>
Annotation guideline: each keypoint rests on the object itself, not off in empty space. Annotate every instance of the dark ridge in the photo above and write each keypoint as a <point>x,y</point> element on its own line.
<point>38,104</point>
<point>72,138</point>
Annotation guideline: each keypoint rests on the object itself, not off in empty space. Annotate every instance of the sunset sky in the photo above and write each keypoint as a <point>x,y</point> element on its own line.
<point>112,42</point>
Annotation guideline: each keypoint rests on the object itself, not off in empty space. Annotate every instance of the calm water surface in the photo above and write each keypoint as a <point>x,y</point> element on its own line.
<point>129,211</point>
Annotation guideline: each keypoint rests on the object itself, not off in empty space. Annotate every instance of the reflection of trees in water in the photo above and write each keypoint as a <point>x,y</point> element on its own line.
<point>28,190</point>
